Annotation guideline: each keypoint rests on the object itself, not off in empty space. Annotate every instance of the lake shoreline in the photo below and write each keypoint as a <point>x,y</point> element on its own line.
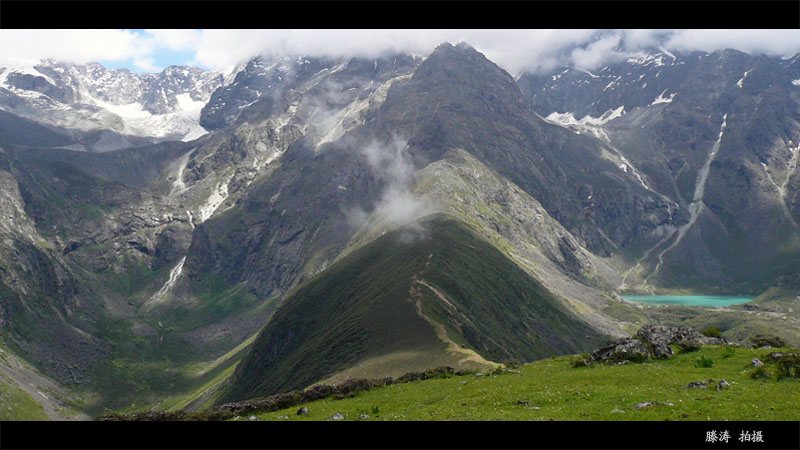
<point>689,300</point>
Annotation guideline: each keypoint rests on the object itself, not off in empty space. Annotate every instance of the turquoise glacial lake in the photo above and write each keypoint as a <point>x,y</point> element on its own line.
<point>688,300</point>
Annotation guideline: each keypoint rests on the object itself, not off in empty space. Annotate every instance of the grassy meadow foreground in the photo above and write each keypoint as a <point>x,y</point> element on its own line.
<point>552,389</point>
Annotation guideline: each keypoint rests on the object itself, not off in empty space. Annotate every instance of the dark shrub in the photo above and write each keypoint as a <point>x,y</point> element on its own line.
<point>761,373</point>
<point>214,415</point>
<point>637,358</point>
<point>512,364</point>
<point>688,346</point>
<point>410,376</point>
<point>728,352</point>
<point>439,372</point>
<point>711,332</point>
<point>351,387</point>
<point>788,366</point>
<point>388,381</point>
<point>319,391</point>
<point>619,358</point>
<point>763,340</point>
<point>581,361</point>
<point>704,362</point>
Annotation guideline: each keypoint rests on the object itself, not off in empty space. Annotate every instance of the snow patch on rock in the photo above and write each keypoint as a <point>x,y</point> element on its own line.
<point>218,195</point>
<point>662,99</point>
<point>567,119</point>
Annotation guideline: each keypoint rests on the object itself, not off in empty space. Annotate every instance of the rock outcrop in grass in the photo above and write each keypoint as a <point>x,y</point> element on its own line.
<point>653,342</point>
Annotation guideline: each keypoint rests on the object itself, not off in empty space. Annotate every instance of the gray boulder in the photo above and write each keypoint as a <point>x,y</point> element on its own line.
<point>777,355</point>
<point>644,405</point>
<point>653,341</point>
<point>700,384</point>
<point>757,362</point>
<point>661,336</point>
<point>624,349</point>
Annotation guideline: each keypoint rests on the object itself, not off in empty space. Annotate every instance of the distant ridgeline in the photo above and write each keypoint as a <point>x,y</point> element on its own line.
<point>190,238</point>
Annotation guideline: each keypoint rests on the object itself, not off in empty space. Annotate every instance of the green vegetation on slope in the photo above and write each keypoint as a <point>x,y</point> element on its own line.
<point>15,404</point>
<point>552,389</point>
<point>370,303</point>
<point>163,369</point>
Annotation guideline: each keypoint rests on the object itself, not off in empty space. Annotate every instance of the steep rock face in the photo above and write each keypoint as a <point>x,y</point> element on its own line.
<point>28,82</point>
<point>746,225</point>
<point>40,294</point>
<point>293,227</point>
<point>285,220</point>
<point>260,77</point>
<point>177,87</point>
<point>16,130</point>
<point>457,98</point>
<point>321,87</point>
<point>639,81</point>
<point>718,147</point>
<point>93,81</point>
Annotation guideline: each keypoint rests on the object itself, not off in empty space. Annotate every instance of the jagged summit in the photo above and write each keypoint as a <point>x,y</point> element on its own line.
<point>89,97</point>
<point>461,45</point>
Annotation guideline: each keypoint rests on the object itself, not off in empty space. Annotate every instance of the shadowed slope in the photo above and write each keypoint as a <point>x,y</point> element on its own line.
<point>380,299</point>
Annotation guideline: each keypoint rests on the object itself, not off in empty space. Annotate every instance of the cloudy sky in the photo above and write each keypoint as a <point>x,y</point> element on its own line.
<point>514,50</point>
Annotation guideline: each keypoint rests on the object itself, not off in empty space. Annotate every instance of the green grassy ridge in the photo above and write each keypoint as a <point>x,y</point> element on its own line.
<point>552,389</point>
<point>368,293</point>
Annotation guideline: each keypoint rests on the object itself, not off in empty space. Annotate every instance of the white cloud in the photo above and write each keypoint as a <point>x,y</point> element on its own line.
<point>771,42</point>
<point>146,64</point>
<point>638,39</point>
<point>514,50</point>
<point>78,46</point>
<point>597,53</point>
<point>390,163</point>
<point>175,39</point>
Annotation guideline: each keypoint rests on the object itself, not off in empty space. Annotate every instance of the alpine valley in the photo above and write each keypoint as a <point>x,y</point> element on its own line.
<point>188,238</point>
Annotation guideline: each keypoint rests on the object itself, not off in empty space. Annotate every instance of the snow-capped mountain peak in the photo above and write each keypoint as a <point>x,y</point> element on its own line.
<point>161,106</point>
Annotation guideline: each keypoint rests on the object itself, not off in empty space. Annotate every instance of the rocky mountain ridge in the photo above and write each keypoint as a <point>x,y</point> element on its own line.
<point>88,97</point>
<point>182,251</point>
